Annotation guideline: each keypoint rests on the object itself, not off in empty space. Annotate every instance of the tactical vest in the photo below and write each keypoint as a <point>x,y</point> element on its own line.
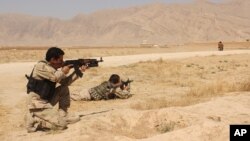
<point>101,91</point>
<point>44,88</point>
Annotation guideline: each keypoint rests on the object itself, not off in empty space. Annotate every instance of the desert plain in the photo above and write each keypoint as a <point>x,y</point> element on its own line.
<point>188,92</point>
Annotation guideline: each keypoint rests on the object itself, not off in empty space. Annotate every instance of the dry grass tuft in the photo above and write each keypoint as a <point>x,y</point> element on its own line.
<point>166,127</point>
<point>194,95</point>
<point>218,88</point>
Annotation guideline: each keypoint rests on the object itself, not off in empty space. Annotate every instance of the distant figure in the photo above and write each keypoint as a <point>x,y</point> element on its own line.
<point>111,89</point>
<point>220,46</point>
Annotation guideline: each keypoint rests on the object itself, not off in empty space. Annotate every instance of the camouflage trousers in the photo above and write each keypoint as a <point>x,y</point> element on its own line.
<point>82,95</point>
<point>40,111</point>
<point>86,95</point>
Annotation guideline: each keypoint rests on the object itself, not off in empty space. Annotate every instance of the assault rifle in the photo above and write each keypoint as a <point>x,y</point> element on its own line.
<point>125,83</point>
<point>80,62</point>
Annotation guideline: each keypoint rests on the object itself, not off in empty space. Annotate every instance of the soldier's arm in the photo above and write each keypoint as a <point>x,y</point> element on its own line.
<point>123,94</point>
<point>72,77</point>
<point>69,79</point>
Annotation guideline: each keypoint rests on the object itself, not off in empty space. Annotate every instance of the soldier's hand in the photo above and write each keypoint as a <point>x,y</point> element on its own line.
<point>123,87</point>
<point>83,68</point>
<point>126,87</point>
<point>66,69</point>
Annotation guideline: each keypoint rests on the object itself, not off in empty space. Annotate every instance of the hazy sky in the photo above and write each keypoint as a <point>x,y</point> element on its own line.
<point>68,8</point>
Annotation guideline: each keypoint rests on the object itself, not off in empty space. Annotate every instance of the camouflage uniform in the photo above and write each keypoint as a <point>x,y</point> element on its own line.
<point>103,91</point>
<point>39,108</point>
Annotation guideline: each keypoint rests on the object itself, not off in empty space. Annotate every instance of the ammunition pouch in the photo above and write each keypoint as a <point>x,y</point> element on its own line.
<point>44,88</point>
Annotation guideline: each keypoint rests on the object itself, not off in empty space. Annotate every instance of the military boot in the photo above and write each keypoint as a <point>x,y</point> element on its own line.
<point>32,123</point>
<point>65,119</point>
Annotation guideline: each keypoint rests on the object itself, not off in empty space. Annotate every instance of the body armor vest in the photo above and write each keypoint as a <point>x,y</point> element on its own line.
<point>44,88</point>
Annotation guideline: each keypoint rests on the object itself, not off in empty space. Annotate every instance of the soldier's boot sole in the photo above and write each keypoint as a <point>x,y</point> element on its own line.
<point>72,120</point>
<point>32,127</point>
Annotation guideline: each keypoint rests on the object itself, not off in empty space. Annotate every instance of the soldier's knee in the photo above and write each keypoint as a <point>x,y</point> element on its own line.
<point>63,90</point>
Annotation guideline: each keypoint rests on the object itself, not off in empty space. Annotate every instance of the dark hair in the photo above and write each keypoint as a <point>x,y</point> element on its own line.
<point>54,52</point>
<point>114,78</point>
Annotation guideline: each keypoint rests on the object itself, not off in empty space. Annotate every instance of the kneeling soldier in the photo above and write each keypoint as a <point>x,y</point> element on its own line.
<point>43,93</point>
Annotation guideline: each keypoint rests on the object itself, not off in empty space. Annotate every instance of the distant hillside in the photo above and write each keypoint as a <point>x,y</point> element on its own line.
<point>157,23</point>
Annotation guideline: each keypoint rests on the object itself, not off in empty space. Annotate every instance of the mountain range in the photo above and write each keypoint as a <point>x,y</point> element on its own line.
<point>155,23</point>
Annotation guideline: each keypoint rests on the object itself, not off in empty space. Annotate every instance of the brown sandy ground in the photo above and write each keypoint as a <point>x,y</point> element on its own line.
<point>195,98</point>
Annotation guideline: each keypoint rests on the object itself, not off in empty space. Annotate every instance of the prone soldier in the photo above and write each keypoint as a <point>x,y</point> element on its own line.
<point>111,89</point>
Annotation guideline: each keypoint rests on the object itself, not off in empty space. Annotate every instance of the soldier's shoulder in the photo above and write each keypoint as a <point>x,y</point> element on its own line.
<point>104,82</point>
<point>41,64</point>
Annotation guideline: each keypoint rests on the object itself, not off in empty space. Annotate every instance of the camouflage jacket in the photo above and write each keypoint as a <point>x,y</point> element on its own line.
<point>43,71</point>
